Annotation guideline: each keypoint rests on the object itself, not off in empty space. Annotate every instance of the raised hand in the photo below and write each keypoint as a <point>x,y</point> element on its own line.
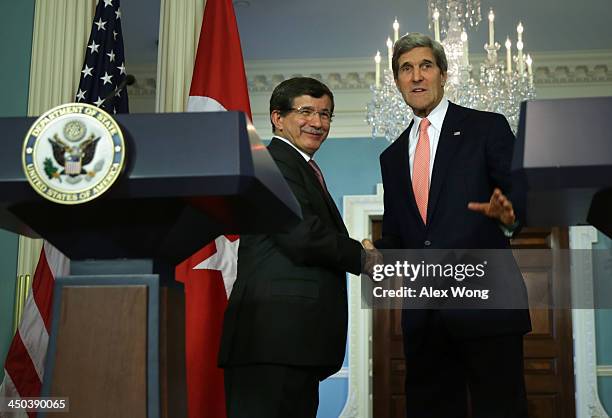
<point>498,207</point>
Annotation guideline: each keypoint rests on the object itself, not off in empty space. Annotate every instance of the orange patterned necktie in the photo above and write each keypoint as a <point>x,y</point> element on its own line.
<point>420,170</point>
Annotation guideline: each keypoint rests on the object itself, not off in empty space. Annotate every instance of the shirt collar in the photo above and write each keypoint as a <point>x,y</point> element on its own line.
<point>436,116</point>
<point>302,153</point>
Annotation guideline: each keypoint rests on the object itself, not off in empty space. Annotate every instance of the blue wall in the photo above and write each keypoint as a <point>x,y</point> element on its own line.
<point>16,24</point>
<point>603,317</point>
<point>351,166</point>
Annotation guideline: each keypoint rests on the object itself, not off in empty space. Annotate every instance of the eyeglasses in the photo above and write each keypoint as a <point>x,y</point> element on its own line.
<point>308,112</point>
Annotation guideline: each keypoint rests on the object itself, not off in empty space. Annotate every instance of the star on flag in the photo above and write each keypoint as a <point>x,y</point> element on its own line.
<point>101,77</point>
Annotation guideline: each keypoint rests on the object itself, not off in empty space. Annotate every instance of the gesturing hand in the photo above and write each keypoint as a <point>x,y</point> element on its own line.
<point>499,207</point>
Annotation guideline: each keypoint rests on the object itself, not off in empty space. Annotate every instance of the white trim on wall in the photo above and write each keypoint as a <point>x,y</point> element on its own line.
<point>604,370</point>
<point>588,404</point>
<point>358,212</point>
<point>556,74</point>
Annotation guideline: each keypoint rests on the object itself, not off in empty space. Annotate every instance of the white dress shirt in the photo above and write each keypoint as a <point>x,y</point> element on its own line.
<point>436,118</point>
<point>302,153</point>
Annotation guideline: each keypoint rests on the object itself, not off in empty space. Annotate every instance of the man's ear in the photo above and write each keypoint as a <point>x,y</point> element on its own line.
<point>444,77</point>
<point>277,120</point>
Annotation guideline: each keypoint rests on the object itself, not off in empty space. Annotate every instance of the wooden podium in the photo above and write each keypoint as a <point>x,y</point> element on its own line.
<point>117,340</point>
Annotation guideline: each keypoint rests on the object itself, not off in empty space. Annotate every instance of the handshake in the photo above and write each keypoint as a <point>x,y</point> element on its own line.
<point>372,257</point>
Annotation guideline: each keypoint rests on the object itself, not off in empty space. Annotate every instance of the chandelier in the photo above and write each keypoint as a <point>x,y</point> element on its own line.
<point>498,85</point>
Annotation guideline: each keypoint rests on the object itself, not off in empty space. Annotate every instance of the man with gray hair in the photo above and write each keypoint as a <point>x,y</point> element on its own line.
<point>446,181</point>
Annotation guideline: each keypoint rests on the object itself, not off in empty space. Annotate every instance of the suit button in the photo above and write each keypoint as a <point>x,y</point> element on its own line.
<point>427,243</point>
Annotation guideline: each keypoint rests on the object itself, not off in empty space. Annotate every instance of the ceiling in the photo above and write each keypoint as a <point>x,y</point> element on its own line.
<point>277,29</point>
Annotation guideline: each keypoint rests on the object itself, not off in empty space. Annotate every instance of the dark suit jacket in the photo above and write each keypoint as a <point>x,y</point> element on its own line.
<point>473,157</point>
<point>289,302</point>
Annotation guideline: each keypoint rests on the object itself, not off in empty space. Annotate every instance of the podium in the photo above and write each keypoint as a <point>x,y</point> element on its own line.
<point>117,338</point>
<point>563,153</point>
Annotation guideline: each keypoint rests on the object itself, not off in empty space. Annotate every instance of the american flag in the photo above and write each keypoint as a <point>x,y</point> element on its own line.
<point>104,67</point>
<point>103,71</point>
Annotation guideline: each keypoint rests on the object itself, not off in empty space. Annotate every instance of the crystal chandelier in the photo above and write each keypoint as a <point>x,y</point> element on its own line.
<point>496,86</point>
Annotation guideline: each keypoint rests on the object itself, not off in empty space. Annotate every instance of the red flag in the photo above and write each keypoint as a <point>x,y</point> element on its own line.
<point>218,83</point>
<point>208,276</point>
<point>25,362</point>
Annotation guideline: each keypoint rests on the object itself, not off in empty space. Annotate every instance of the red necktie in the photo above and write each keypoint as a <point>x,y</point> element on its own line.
<point>318,172</point>
<point>420,170</point>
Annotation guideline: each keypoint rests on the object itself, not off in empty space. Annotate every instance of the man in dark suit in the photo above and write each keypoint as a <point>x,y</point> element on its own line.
<point>446,181</point>
<point>286,323</point>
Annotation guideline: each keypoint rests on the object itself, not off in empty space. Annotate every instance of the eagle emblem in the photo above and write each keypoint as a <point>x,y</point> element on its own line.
<point>73,153</point>
<point>73,158</point>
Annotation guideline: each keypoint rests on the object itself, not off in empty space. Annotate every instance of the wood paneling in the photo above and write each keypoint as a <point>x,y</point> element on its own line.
<point>101,352</point>
<point>548,348</point>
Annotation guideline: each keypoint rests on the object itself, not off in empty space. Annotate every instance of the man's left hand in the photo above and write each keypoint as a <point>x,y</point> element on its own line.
<point>499,207</point>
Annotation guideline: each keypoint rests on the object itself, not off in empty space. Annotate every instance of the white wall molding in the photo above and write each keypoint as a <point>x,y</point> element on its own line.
<point>557,74</point>
<point>569,67</point>
<point>588,404</point>
<point>343,373</point>
<point>604,370</point>
<point>358,73</point>
<point>358,213</point>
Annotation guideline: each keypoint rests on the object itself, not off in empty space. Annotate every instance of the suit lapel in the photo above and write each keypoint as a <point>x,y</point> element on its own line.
<point>404,170</point>
<point>325,201</point>
<point>447,146</point>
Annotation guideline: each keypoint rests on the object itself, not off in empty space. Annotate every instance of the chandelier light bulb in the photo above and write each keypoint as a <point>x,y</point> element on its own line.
<point>395,30</point>
<point>519,28</point>
<point>508,56</point>
<point>521,57</point>
<point>491,28</point>
<point>377,61</point>
<point>436,17</point>
<point>389,51</point>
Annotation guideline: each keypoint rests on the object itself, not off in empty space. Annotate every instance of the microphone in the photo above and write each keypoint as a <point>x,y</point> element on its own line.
<point>127,81</point>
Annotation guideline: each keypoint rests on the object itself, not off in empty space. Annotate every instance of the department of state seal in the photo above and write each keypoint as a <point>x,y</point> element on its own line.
<point>73,153</point>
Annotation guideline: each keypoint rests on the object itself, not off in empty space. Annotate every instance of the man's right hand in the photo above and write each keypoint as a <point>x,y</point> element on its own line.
<point>373,257</point>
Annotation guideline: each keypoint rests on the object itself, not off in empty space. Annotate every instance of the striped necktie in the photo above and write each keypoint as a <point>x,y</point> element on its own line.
<point>318,172</point>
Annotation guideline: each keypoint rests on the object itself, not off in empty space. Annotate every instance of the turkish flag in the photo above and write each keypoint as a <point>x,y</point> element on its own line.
<point>218,83</point>
<point>208,276</point>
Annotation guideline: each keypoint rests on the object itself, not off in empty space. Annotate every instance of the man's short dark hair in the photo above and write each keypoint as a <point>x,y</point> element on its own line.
<point>416,40</point>
<point>283,94</point>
